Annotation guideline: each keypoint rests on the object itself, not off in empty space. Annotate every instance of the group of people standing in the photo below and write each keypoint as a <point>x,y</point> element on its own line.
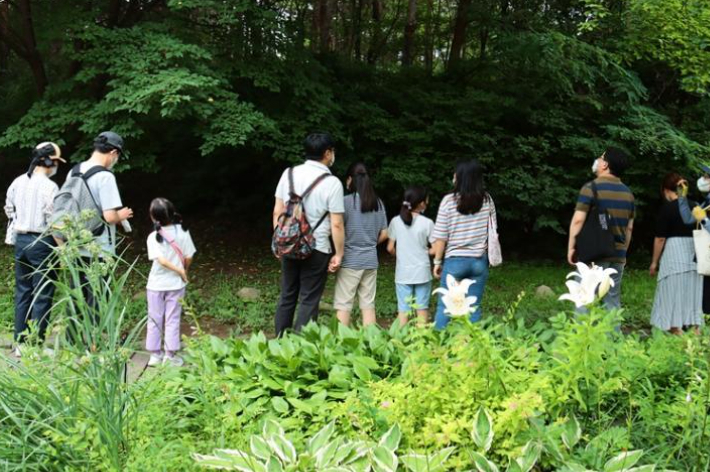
<point>344,233</point>
<point>34,231</point>
<point>357,224</point>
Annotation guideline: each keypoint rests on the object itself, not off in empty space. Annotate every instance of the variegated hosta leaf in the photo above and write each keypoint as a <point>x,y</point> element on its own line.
<point>643,468</point>
<point>321,438</point>
<point>384,460</point>
<point>326,454</point>
<point>513,466</point>
<point>572,433</point>
<point>427,463</point>
<point>623,461</point>
<point>391,439</point>
<point>274,465</point>
<point>230,459</point>
<point>336,469</point>
<point>283,448</point>
<point>530,455</point>
<point>482,464</point>
<point>343,452</point>
<point>483,429</point>
<point>272,428</point>
<point>260,448</point>
<point>359,451</point>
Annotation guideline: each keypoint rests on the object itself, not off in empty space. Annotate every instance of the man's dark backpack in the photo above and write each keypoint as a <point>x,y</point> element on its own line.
<point>74,198</point>
<point>293,236</point>
<point>596,241</point>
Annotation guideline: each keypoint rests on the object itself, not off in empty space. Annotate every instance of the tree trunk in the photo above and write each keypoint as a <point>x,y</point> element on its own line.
<point>409,31</point>
<point>377,11</point>
<point>325,17</point>
<point>358,30</point>
<point>429,38</point>
<point>23,43</point>
<point>460,28</point>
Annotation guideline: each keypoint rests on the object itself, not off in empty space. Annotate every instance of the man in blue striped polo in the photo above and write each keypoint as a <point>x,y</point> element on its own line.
<point>618,200</point>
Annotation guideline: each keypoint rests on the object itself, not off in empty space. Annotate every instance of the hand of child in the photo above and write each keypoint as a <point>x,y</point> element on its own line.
<point>699,214</point>
<point>183,275</point>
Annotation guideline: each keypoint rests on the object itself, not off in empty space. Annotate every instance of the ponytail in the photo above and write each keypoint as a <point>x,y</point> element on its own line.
<point>163,213</point>
<point>362,185</point>
<point>413,197</point>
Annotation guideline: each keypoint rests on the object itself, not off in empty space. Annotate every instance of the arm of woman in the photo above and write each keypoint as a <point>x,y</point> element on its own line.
<point>658,245</point>
<point>382,236</point>
<point>439,247</point>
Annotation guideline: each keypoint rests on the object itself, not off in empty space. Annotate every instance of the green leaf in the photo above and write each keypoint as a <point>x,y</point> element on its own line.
<point>530,455</point>
<point>321,438</point>
<point>427,463</point>
<point>326,454</point>
<point>572,433</point>
<point>362,372</point>
<point>274,465</point>
<point>482,464</point>
<point>283,448</point>
<point>300,405</point>
<point>279,404</point>
<point>483,429</point>
<point>272,428</point>
<point>513,466</point>
<point>260,448</point>
<point>623,461</point>
<point>218,346</point>
<point>231,459</point>
<point>391,438</point>
<point>384,460</point>
<point>643,468</point>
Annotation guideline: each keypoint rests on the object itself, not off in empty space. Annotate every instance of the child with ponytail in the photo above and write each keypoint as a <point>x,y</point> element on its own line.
<point>409,235</point>
<point>171,249</point>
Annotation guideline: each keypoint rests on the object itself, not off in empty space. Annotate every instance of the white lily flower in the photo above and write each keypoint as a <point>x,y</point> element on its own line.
<point>594,283</point>
<point>455,297</point>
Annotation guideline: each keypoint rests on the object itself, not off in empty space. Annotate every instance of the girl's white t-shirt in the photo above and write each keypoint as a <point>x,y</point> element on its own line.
<point>160,278</point>
<point>413,265</point>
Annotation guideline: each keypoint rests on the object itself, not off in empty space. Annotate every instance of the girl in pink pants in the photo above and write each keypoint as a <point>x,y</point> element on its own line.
<point>171,249</point>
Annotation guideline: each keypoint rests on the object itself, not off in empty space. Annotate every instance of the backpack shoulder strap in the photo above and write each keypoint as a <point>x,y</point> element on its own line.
<point>76,171</point>
<point>93,171</point>
<point>315,183</point>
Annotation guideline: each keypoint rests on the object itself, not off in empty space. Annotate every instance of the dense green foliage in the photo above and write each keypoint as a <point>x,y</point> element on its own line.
<point>534,89</point>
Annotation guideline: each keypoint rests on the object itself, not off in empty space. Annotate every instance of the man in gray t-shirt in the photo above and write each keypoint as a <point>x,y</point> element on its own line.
<point>108,147</point>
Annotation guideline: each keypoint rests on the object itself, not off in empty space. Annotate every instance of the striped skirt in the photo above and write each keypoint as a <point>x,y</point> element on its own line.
<point>679,293</point>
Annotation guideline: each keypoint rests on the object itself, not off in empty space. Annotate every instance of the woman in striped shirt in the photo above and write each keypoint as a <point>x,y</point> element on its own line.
<point>461,235</point>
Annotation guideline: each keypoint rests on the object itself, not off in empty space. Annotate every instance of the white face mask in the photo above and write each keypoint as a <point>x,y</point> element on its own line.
<point>53,171</point>
<point>113,163</point>
<point>595,166</point>
<point>704,185</point>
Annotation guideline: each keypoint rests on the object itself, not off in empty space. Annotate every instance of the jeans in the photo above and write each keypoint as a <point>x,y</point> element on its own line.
<point>473,268</point>
<point>34,286</point>
<point>612,300</point>
<point>303,282</point>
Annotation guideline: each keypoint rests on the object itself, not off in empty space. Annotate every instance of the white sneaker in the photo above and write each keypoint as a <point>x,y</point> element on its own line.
<point>175,361</point>
<point>155,359</point>
<point>17,352</point>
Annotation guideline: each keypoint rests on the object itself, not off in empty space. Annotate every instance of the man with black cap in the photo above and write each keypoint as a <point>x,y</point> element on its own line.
<point>108,147</point>
<point>28,206</point>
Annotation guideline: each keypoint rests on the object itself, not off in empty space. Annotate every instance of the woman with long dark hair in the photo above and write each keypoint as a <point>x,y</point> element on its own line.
<point>365,228</point>
<point>461,235</point>
<point>678,302</point>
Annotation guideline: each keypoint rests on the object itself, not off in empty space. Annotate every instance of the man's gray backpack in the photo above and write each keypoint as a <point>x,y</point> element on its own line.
<point>74,198</point>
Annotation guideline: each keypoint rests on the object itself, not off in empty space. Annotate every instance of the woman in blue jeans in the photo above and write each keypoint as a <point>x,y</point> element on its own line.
<point>461,235</point>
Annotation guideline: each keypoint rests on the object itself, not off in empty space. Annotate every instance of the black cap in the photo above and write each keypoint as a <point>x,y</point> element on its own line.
<point>705,168</point>
<point>110,138</point>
